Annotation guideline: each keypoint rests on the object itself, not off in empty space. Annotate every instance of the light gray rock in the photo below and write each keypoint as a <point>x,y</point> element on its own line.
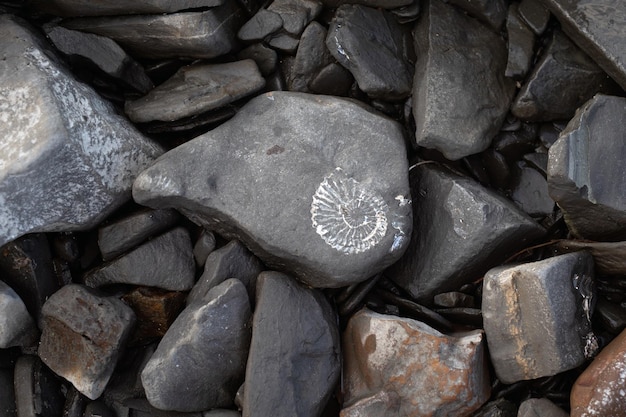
<point>67,159</point>
<point>332,218</point>
<point>115,7</point>
<point>17,327</point>
<point>540,407</point>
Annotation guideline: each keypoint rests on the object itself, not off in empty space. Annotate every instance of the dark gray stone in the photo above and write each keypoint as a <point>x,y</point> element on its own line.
<point>37,390</point>
<point>585,170</point>
<point>114,7</point>
<point>311,57</point>
<point>266,58</point>
<point>537,316</point>
<point>98,409</point>
<point>127,233</point>
<point>540,407</point>
<point>530,193</point>
<point>460,94</point>
<point>463,230</point>
<point>491,12</point>
<point>521,42</point>
<point>611,315</point>
<point>75,403</point>
<point>67,158</point>
<point>296,14</point>
<point>263,23</point>
<point>333,80</point>
<point>221,413</point>
<point>333,218</point>
<point>383,4</point>
<point>7,394</point>
<point>140,407</point>
<point>200,362</point>
<point>454,299</point>
<point>283,42</point>
<point>535,15</point>
<point>538,160</point>
<point>165,262</point>
<point>95,327</point>
<point>294,360</point>
<point>371,45</point>
<point>609,257</point>
<point>203,247</point>
<point>497,408</point>
<point>563,80</point>
<point>17,327</point>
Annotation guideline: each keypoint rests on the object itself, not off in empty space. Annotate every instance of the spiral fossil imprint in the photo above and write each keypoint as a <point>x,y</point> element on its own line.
<point>347,215</point>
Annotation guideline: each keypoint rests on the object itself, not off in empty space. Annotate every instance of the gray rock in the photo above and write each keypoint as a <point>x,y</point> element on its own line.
<point>521,41</point>
<point>283,42</point>
<point>165,262</point>
<point>205,34</point>
<point>196,89</point>
<point>537,316</point>
<point>221,413</point>
<point>498,408</point>
<point>296,14</point>
<point>67,158</point>
<point>563,80</point>
<point>460,94</point>
<point>454,299</point>
<point>7,394</point>
<point>140,407</point>
<point>371,45</point>
<point>263,23</point>
<point>37,390</point>
<point>265,58</point>
<point>585,170</point>
<point>463,230</point>
<point>530,193</point>
<point>114,7</point>
<point>598,28</point>
<point>333,218</point>
<point>17,327</point>
<point>98,409</point>
<point>535,15</point>
<point>294,360</point>
<point>383,4</point>
<point>491,12</point>
<point>311,57</point>
<point>101,52</point>
<point>540,407</point>
<point>203,247</point>
<point>200,362</point>
<point>333,80</point>
<point>609,257</point>
<point>95,327</point>
<point>230,261</point>
<point>407,14</point>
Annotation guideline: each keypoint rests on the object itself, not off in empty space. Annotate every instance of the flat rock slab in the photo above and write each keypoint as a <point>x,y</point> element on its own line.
<point>399,366</point>
<point>460,93</point>
<point>294,360</point>
<point>17,327</point>
<point>201,360</point>
<point>537,316</point>
<point>464,229</point>
<point>67,160</point>
<point>69,8</point>
<point>314,185</point>
<point>95,327</point>
<point>585,170</point>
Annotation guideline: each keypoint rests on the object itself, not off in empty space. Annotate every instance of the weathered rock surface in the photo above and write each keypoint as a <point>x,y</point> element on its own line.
<point>460,94</point>
<point>585,170</point>
<point>294,360</point>
<point>537,316</point>
<point>95,327</point>
<point>540,407</point>
<point>399,366</point>
<point>491,12</point>
<point>333,218</point>
<point>114,7</point>
<point>464,229</point>
<point>67,159</point>
<point>17,327</point>
<point>200,362</point>
<point>521,41</point>
<point>164,262</point>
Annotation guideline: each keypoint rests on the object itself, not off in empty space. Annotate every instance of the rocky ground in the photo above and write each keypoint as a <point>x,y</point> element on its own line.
<point>355,208</point>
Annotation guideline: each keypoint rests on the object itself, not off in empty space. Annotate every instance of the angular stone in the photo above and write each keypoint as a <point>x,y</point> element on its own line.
<point>563,80</point>
<point>491,12</point>
<point>530,193</point>
<point>521,43</point>
<point>95,327</point>
<point>460,94</point>
<point>37,390</point>
<point>609,257</point>
<point>585,170</point>
<point>196,89</point>
<point>535,15</point>
<point>165,262</point>
<point>540,407</point>
<point>69,8</point>
<point>263,23</point>
<point>203,247</point>
<point>383,4</point>
<point>296,14</point>
<point>200,362</point>
<point>7,394</point>
<point>333,80</point>
<point>370,44</point>
<point>311,57</point>
<point>537,316</point>
<point>346,203</point>
<point>265,58</point>
<point>17,327</point>
<point>283,42</point>
<point>463,229</point>
<point>294,360</point>
<point>399,366</point>
<point>67,159</point>
<point>98,409</point>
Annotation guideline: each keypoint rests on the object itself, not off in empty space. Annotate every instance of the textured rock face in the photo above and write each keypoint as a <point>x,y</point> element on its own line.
<point>391,363</point>
<point>67,160</point>
<point>314,185</point>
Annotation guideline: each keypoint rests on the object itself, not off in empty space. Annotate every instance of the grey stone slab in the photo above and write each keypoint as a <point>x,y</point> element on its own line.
<point>266,58</point>
<point>460,93</point>
<point>535,14</point>
<point>263,23</point>
<point>37,390</point>
<point>17,327</point>
<point>296,14</point>
<point>67,158</point>
<point>537,316</point>
<point>200,362</point>
<point>294,360</point>
<point>609,257</point>
<point>311,57</point>
<point>530,193</point>
<point>203,247</point>
<point>540,407</point>
<point>164,262</point>
<point>371,45</point>
<point>521,43</point>
<point>491,12</point>
<point>585,170</point>
<point>114,7</point>
<point>315,185</point>
<point>463,229</point>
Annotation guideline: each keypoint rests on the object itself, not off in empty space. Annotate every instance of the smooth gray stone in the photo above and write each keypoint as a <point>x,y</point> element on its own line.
<point>371,45</point>
<point>537,316</point>
<point>543,407</point>
<point>8,407</point>
<point>203,247</point>
<point>491,12</point>
<point>69,8</point>
<point>535,15</point>
<point>103,53</point>
<point>200,362</point>
<point>599,28</point>
<point>294,360</point>
<point>263,23</point>
<point>562,81</point>
<point>530,193</point>
<point>196,89</point>
<point>95,327</point>
<point>283,42</point>
<point>521,42</point>
<point>37,390</point>
<point>463,230</point>
<point>205,34</point>
<point>332,80</point>
<point>230,261</point>
<point>585,170</point>
<point>311,57</point>
<point>165,262</point>
<point>296,14</point>
<point>127,233</point>
<point>460,94</point>
<point>266,58</point>
<point>17,327</point>
<point>67,159</point>
<point>333,218</point>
